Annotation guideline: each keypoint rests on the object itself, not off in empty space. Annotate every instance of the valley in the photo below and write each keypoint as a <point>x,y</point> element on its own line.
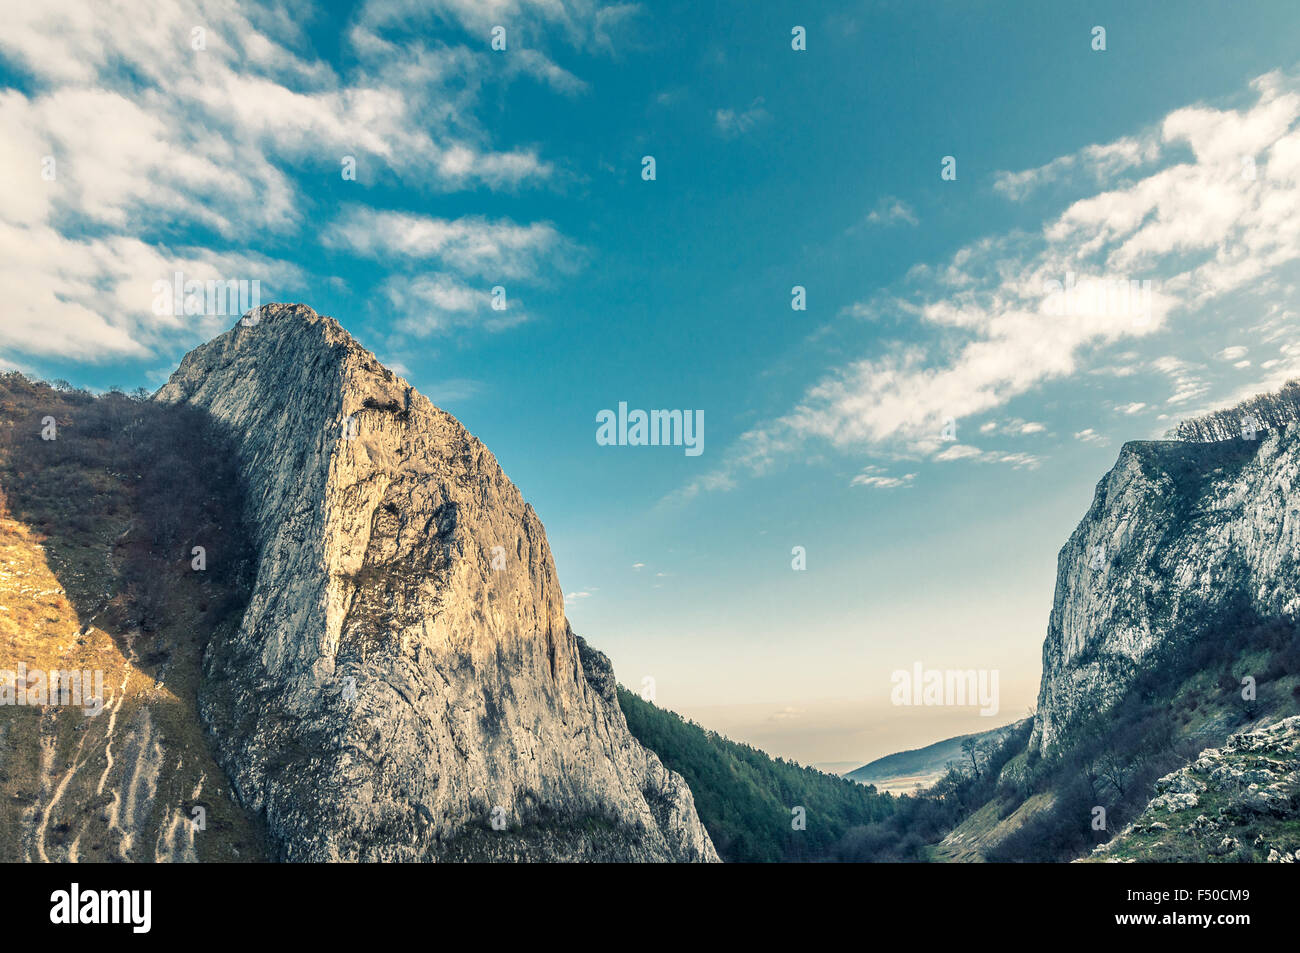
<point>368,659</point>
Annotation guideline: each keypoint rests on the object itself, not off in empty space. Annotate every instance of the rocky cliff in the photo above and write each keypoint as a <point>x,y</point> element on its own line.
<point>404,684</point>
<point>1179,532</point>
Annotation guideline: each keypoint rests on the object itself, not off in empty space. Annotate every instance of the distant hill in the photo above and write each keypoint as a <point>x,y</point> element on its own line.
<point>906,770</point>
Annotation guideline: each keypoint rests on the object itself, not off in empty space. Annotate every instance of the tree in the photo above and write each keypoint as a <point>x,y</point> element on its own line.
<point>972,749</point>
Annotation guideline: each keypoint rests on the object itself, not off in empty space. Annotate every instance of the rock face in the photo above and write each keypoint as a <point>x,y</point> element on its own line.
<point>404,675</point>
<point>1178,531</point>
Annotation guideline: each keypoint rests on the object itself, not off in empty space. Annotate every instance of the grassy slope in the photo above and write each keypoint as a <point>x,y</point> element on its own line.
<point>1179,836</point>
<point>95,528</point>
<point>1189,700</point>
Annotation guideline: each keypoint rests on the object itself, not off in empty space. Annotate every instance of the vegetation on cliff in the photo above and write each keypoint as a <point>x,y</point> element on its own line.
<point>103,500</point>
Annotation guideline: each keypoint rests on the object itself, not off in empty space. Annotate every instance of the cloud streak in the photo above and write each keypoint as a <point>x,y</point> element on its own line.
<point>1201,225</point>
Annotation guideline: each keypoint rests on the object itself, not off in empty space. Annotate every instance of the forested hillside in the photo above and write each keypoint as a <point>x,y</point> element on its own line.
<point>745,798</point>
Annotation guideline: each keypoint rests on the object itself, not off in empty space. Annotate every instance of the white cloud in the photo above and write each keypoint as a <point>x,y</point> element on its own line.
<point>1096,162</point>
<point>890,210</point>
<point>1231,353</point>
<point>1015,427</point>
<point>731,123</point>
<point>472,245</point>
<point>959,451</point>
<point>1188,385</point>
<point>426,305</point>
<point>1193,225</point>
<point>149,135</point>
<point>875,477</point>
<point>474,256</point>
<point>585,24</point>
<point>92,300</point>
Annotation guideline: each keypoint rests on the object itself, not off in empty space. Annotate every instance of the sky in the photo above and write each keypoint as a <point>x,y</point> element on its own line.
<point>1019,241</point>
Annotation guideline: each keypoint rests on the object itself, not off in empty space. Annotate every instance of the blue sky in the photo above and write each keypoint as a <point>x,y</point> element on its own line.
<point>1172,157</point>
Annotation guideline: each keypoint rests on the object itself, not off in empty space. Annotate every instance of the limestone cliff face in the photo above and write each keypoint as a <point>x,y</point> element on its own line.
<point>1178,530</point>
<point>404,671</point>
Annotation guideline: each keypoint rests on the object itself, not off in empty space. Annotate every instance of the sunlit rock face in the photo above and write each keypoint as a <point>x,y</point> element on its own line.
<point>1180,532</point>
<point>405,675</point>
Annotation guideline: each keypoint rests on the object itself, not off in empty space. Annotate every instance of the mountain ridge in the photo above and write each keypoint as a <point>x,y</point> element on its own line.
<point>374,663</point>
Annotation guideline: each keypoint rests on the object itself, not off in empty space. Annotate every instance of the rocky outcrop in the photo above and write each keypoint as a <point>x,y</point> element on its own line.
<point>1236,802</point>
<point>404,685</point>
<point>1178,531</point>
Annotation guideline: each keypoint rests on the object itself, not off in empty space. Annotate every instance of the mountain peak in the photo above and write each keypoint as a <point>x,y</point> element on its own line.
<point>404,685</point>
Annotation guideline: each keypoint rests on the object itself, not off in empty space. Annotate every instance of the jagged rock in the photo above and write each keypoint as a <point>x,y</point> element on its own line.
<point>404,671</point>
<point>1227,775</point>
<point>1207,759</point>
<point>1179,783</point>
<point>1225,846</point>
<point>1270,800</point>
<point>1177,531</point>
<point>1173,803</point>
<point>1279,738</point>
